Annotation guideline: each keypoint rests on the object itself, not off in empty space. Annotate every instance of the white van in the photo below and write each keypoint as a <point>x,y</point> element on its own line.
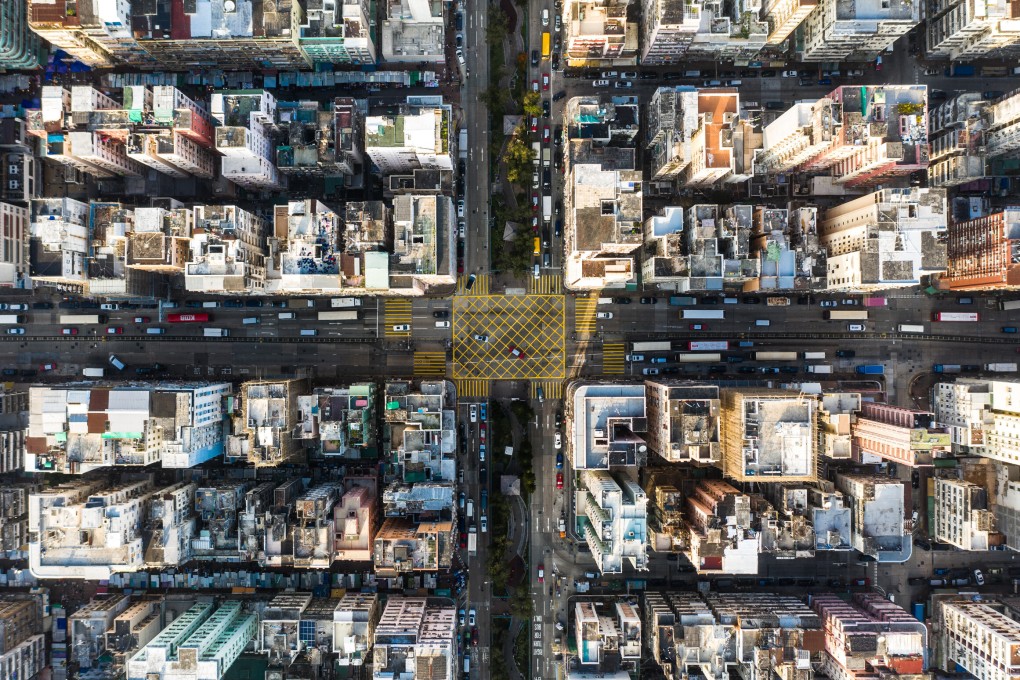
<point>309,331</point>
<point>605,301</point>
<point>155,330</point>
<point>286,316</point>
<point>116,363</point>
<point>210,305</point>
<point>93,372</point>
<point>730,301</point>
<point>471,508</point>
<point>215,332</point>
<point>762,322</point>
<point>250,320</point>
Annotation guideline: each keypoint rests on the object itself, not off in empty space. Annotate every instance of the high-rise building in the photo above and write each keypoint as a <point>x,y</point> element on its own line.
<point>667,28</point>
<point>784,16</point>
<point>769,434</point>
<point>877,516</point>
<point>983,252</point>
<point>598,33</point>
<point>960,31</point>
<point>418,137</point>
<point>905,436</point>
<point>247,119</point>
<point>18,45</point>
<point>14,238</point>
<point>854,30</point>
<point>958,127</point>
<point>615,508</point>
<point>963,517</point>
<point>336,32</point>
<point>979,638</point>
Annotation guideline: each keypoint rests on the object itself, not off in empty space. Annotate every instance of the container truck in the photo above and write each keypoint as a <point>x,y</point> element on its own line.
<point>814,355</point>
<point>708,346</point>
<point>687,300</point>
<point>874,302</point>
<point>777,301</point>
<point>910,328</point>
<point>215,332</point>
<point>345,302</point>
<point>1007,305</point>
<point>819,368</point>
<point>547,208</point>
<point>703,314</point>
<point>697,357</point>
<point>12,318</point>
<point>546,157</point>
<point>1001,368</point>
<point>76,319</point>
<point>349,315</point>
<point>946,368</point>
<point>846,315</point>
<point>472,541</point>
<point>663,346</point>
<point>775,356</point>
<point>871,369</point>
<point>300,303</point>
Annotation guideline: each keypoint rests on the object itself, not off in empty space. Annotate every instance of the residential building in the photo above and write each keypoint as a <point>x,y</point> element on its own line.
<point>886,239</point>
<point>870,635</point>
<point>247,120</point>
<point>110,225</point>
<point>853,31</point>
<point>416,137</point>
<point>836,414</point>
<point>19,46</point>
<point>87,627</point>
<point>982,252</point>
<point>21,617</point>
<point>905,436</point>
<point>963,517</point>
<point>605,641</point>
<point>14,240</point>
<point>830,518</point>
<point>354,622</point>
<point>608,427</point>
<point>134,627</point>
<point>313,532</point>
<point>977,636</point>
<point>723,535</point>
<point>404,546</point>
<point>28,659</point>
<point>79,33</point>
<point>1001,443</point>
<point>203,642</point>
<point>19,174</point>
<point>958,127</point>
<point>217,507</point>
<point>964,408</point>
<point>354,519</point>
<point>770,434</point>
<point>266,421</point>
<point>306,250</point>
<point>784,16</point>
<point>667,526</point>
<point>802,132</point>
<point>329,34</point>
<point>339,421</point>
<point>229,249</point>
<point>683,421</point>
<point>78,429</point>
<point>786,530</point>
<point>171,526</point>
<point>786,244</point>
<point>962,31</point>
<point>598,33</point>
<point>616,529</point>
<point>416,633</point>
<point>279,624</point>
<point>668,28</point>
<point>161,240</point>
<point>14,519</point>
<point>321,142</point>
<point>413,32</point>
<point>877,506</point>
<point>1003,135</point>
<point>424,254</point>
<point>12,448</point>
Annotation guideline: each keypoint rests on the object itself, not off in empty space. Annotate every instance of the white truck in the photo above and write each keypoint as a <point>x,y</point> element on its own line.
<point>546,157</point>
<point>462,150</point>
<point>819,368</point>
<point>472,541</point>
<point>215,332</point>
<point>814,355</point>
<point>1001,368</point>
<point>547,208</point>
<point>536,147</point>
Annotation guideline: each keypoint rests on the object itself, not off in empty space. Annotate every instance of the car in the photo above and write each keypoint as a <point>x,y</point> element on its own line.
<point>471,617</point>
<point>545,82</point>
<point>718,368</point>
<point>534,85</point>
<point>460,265</point>
<point>473,412</point>
<point>460,614</point>
<point>649,300</point>
<point>42,305</point>
<point>232,304</point>
<point>460,208</point>
<point>545,16</point>
<point>481,432</point>
<point>253,303</point>
<point>827,303</point>
<point>623,84</point>
<point>441,314</point>
<point>558,24</point>
<point>559,95</point>
<point>649,371</point>
<point>484,412</point>
<point>855,327</point>
<point>621,300</point>
<point>142,319</point>
<point>481,338</point>
<point>541,572</point>
<point>634,358</point>
<point>768,73</point>
<point>461,229</point>
<point>545,135</point>
<point>559,460</point>
<point>698,327</point>
<point>878,63</point>
<point>937,95</point>
<point>850,302</point>
<point>115,330</point>
<point>546,108</point>
<point>401,328</point>
<point>846,353</point>
<point>603,315</point>
<point>109,307</point>
<point>69,331</point>
<point>534,57</point>
<point>461,498</point>
<point>768,369</point>
<point>806,82</point>
<point>559,480</point>
<point>515,352</point>
<point>789,369</point>
<point>752,300</point>
<point>979,578</point>
<point>825,81</point>
<point>745,369</point>
<point>16,331</point>
<point>534,123</point>
<point>9,372</point>
<point>602,82</point>
<point>915,479</point>
<point>610,74</point>
<point>648,75</point>
<point>557,441</point>
<point>670,370</point>
<point>15,306</point>
<point>534,202</point>
<point>790,74</point>
<point>474,637</point>
<point>710,300</point>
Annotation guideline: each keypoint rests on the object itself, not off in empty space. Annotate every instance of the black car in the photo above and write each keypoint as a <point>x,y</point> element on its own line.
<point>672,75</point>
<point>745,369</point>
<point>719,368</point>
<point>649,300</point>
<point>69,305</point>
<point>710,300</point>
<point>534,57</point>
<point>559,95</point>
<point>441,314</point>
<point>788,369</point>
<point>621,300</point>
<point>846,353</point>
<point>648,75</point>
<point>915,479</point>
<point>671,369</point>
<point>233,304</point>
<point>559,419</point>
<point>752,300</point>
<point>253,303</point>
<point>42,305</point>
<point>803,300</point>
<point>546,107</point>
<point>768,73</point>
<point>9,372</point>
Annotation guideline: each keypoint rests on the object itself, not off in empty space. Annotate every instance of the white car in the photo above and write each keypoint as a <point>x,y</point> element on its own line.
<point>471,617</point>
<point>402,328</point>
<point>473,411</point>
<point>481,338</point>
<point>110,307</point>
<point>789,74</point>
<point>442,324</point>
<point>558,24</point>
<point>629,74</point>
<point>461,229</point>
<point>484,522</point>
<point>979,578</point>
<point>603,315</point>
<point>635,357</point>
<point>600,83</point>
<point>545,17</point>
<point>558,441</point>
<point>460,208</point>
<point>623,84</point>
<point>855,327</point>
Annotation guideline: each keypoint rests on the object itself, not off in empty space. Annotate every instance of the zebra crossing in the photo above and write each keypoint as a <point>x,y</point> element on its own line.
<point>612,358</point>
<point>584,315</point>
<point>430,363</point>
<point>479,287</point>
<point>397,312</point>
<point>547,284</point>
<point>472,388</point>
<point>551,389</point>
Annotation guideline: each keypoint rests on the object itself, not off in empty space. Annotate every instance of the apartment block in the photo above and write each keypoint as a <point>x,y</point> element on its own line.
<point>668,28</point>
<point>683,421</point>
<point>802,132</point>
<point>1001,440</point>
<point>769,433</point>
<point>28,659</point>
<point>263,521</point>
<point>14,242</point>
<point>1003,135</point>
<point>88,626</point>
<point>723,529</point>
<point>321,142</point>
<point>830,519</point>
<point>416,137</point>
<point>980,638</point>
<point>203,642</point>
<point>784,16</point>
<point>247,121</point>
<point>607,639</point>
<point>899,435</point>
<point>74,430</point>
<point>134,627</point>
<point>886,239</point>
<point>20,46</point>
<point>161,241</point>
<point>786,530</point>
<point>616,527</point>
<point>608,427</point>
<point>419,634</point>
<point>963,517</point>
<point>217,512</point>
<point>171,526</point>
<point>265,423</point>
<point>354,622</point>
<point>339,421</point>
<point>419,422</point>
<point>14,519</point>
<point>962,31</point>
<point>836,414</point>
<point>853,31</point>
<point>982,252</point>
<point>12,449</point>
<point>667,526</point>
<point>958,127</point>
<point>424,254</point>
<point>64,27</point>
<point>229,247</point>
<point>963,407</point>
<point>598,33</point>
<point>784,250</point>
<point>877,508</point>
<point>412,32</point>
<point>306,250</point>
<point>404,546</point>
<point>355,521</point>
<point>19,172</point>
<point>336,33</point>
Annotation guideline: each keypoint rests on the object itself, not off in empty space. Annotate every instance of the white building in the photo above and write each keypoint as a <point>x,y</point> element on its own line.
<point>964,408</point>
<point>229,249</point>
<point>413,32</point>
<point>616,509</point>
<point>246,119</point>
<point>14,236</point>
<point>979,638</point>
<point>415,637</point>
<point>354,621</point>
<point>417,138</point>
<point>877,515</point>
<point>962,517</point>
<point>962,31</point>
<point>855,30</point>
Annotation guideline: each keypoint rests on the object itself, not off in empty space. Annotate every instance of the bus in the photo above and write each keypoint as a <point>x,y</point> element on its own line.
<point>708,345</point>
<point>345,302</point>
<point>775,356</point>
<point>698,358</point>
<point>198,317</point>
<point>1007,305</point>
<point>545,45</point>
<point>350,315</point>
<point>74,319</point>
<point>703,314</point>
<point>955,316</point>
<point>910,328</point>
<point>664,346</point>
<point>841,315</point>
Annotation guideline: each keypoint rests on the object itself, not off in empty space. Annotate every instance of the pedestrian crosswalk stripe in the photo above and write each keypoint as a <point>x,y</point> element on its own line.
<point>472,388</point>
<point>584,315</point>
<point>479,287</point>
<point>397,312</point>
<point>547,284</point>
<point>430,363</point>
<point>612,358</point>
<point>551,389</point>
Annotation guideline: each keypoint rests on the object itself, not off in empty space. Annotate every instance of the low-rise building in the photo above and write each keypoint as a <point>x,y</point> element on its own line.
<point>331,34</point>
<point>604,641</point>
<point>836,414</point>
<point>723,529</point>
<point>877,508</point>
<point>321,141</point>
<point>418,636</point>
